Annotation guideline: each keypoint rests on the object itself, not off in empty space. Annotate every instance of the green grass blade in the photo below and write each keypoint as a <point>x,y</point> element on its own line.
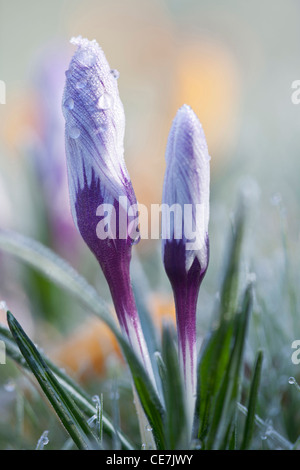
<point>250,420</point>
<point>64,275</point>
<point>215,353</point>
<point>277,439</point>
<point>56,269</point>
<point>230,283</point>
<point>99,415</point>
<point>225,405</point>
<point>176,424</point>
<point>81,398</point>
<point>43,440</point>
<point>66,409</point>
<point>147,394</point>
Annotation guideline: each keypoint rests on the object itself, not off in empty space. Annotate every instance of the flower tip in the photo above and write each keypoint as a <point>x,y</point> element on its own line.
<point>87,53</point>
<point>185,108</point>
<point>83,43</point>
<point>187,114</point>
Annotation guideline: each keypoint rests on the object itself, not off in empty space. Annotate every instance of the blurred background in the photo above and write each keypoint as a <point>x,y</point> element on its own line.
<point>234,63</point>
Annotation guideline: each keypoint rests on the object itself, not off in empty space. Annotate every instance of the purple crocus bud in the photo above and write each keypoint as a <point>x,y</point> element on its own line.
<point>99,184</point>
<point>185,244</point>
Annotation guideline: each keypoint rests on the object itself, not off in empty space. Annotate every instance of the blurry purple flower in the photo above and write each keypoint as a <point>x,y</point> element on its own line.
<point>47,147</point>
<point>185,245</point>
<point>99,184</point>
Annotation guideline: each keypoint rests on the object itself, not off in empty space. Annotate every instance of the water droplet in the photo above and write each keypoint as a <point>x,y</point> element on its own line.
<point>81,84</point>
<point>276,199</point>
<point>105,101</point>
<point>91,419</point>
<point>148,427</point>
<point>143,446</point>
<point>114,395</point>
<point>292,380</point>
<point>251,277</point>
<point>86,57</point>
<point>96,399</point>
<point>69,103</point>
<point>101,128</point>
<point>43,441</point>
<point>196,444</point>
<point>74,132</point>
<point>115,73</point>
<point>135,241</point>
<point>9,386</point>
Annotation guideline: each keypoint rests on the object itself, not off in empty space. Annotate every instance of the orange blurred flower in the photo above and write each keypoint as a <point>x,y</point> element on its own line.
<point>86,352</point>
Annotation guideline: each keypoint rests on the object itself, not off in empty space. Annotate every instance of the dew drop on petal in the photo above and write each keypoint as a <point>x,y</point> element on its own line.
<point>69,103</point>
<point>101,127</point>
<point>115,73</point>
<point>86,57</point>
<point>136,240</point>
<point>105,101</point>
<point>292,380</point>
<point>74,132</point>
<point>81,84</point>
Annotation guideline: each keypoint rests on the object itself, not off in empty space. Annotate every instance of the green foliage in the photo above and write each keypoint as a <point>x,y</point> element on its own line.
<point>64,406</point>
<point>175,423</point>
<point>221,421</point>
<point>216,355</point>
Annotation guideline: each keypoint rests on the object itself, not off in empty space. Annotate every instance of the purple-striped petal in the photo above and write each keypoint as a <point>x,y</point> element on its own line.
<point>185,243</point>
<point>99,184</point>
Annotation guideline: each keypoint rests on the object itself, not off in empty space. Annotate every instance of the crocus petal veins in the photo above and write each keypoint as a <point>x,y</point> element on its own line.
<point>98,178</point>
<point>185,243</point>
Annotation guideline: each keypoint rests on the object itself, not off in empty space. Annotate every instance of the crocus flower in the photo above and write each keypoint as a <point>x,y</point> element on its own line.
<point>99,184</point>
<point>185,245</point>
